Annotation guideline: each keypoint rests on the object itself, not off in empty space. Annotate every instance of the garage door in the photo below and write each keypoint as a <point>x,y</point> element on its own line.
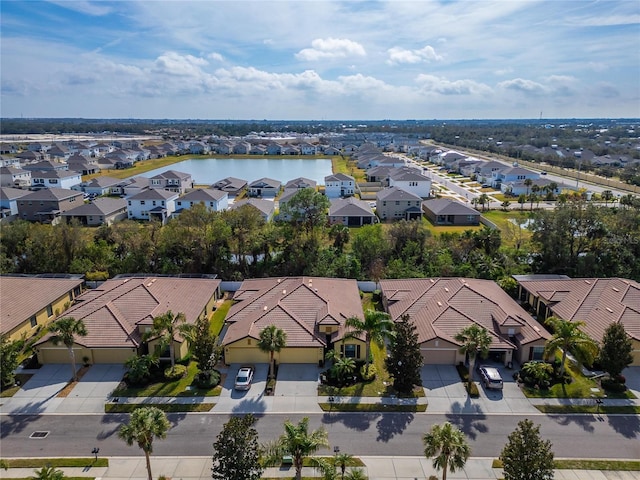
<point>438,356</point>
<point>112,355</point>
<point>245,355</point>
<point>300,355</point>
<point>57,355</point>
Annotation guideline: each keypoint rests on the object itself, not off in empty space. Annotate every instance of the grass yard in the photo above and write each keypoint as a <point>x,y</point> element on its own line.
<point>371,407</point>
<point>589,464</point>
<point>165,407</point>
<point>56,462</point>
<point>440,229</point>
<point>176,388</point>
<point>344,165</point>
<point>21,379</point>
<point>593,409</point>
<point>217,320</point>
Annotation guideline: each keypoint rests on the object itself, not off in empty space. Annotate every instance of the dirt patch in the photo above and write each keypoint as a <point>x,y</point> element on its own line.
<point>67,389</point>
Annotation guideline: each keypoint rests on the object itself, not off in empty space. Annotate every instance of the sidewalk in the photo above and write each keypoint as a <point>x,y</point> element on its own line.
<point>376,468</point>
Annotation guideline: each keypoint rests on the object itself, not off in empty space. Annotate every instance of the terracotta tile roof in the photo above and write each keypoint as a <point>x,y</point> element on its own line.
<point>295,304</point>
<point>22,297</point>
<point>441,307</point>
<point>596,301</point>
<point>113,311</point>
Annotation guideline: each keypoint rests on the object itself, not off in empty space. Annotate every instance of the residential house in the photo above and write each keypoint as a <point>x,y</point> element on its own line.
<point>441,307</point>
<point>484,172</point>
<point>82,164</point>
<point>307,148</point>
<point>153,204</point>
<point>225,148</point>
<point>231,185</point>
<point>598,302</point>
<point>339,185</point>
<point>266,208</point>
<point>213,200</point>
<point>99,186</point>
<point>510,176</point>
<point>274,148</point>
<point>448,157</point>
<point>394,203</point>
<point>30,302</point>
<point>351,212</point>
<point>9,202</point>
<point>312,312</point>
<point>59,153</point>
<point>258,150</point>
<point>300,182</point>
<point>8,148</point>
<point>518,188</point>
<point>9,162</point>
<point>119,312</point>
<point>333,151</point>
<point>14,177</point>
<point>172,181</point>
<point>264,187</point>
<point>290,150</point>
<point>46,166</point>
<point>101,211</point>
<point>131,186</point>
<point>47,204</point>
<point>55,179</point>
<point>242,148</point>
<point>446,211</point>
<point>199,148</point>
<point>410,180</point>
<point>29,156</point>
<point>126,143</point>
<point>379,174</point>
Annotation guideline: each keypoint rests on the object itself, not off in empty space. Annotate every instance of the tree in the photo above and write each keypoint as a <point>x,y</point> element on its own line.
<point>483,200</point>
<point>568,338</point>
<point>342,366</point>
<point>272,340</point>
<point>235,452</point>
<point>505,205</point>
<point>405,361</point>
<point>165,328</point>
<point>376,327</point>
<point>448,446</point>
<point>528,182</point>
<point>526,456</point>
<point>64,331</point>
<point>139,368</point>
<point>474,340</point>
<point>145,424</point>
<point>48,473</point>
<point>298,442</point>
<point>615,353</point>
<point>308,207</point>
<point>9,352</point>
<point>202,343</point>
<point>522,199</point>
<point>607,196</point>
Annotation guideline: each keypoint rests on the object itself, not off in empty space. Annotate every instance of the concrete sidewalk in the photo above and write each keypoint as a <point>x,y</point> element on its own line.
<point>376,468</point>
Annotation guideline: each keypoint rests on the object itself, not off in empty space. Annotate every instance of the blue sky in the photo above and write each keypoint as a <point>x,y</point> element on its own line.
<point>320,60</point>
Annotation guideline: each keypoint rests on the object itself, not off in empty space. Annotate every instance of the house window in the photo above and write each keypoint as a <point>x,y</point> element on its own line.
<point>33,321</point>
<point>129,202</point>
<point>471,218</point>
<point>248,341</point>
<point>154,203</point>
<point>537,353</point>
<point>350,350</point>
<point>179,204</point>
<point>53,180</point>
<point>49,310</point>
<point>141,202</point>
<point>511,332</point>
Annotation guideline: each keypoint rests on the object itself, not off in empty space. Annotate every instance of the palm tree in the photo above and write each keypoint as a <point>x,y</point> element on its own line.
<point>165,328</point>
<point>272,339</point>
<point>483,200</point>
<point>475,340</point>
<point>607,196</point>
<point>528,182</point>
<point>376,327</point>
<point>448,447</point>
<point>64,331</point>
<point>48,473</point>
<point>568,338</point>
<point>145,424</point>
<point>298,442</point>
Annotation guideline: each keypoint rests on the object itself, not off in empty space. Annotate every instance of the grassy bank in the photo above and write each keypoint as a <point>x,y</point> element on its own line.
<point>82,462</point>
<point>589,464</point>
<point>371,407</point>
<point>165,407</point>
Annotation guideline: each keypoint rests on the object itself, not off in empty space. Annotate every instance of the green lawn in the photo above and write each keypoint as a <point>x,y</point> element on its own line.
<point>217,321</point>
<point>176,388</point>
<point>56,462</point>
<point>439,229</point>
<point>21,378</point>
<point>165,407</point>
<point>604,409</point>
<point>589,464</point>
<point>370,407</point>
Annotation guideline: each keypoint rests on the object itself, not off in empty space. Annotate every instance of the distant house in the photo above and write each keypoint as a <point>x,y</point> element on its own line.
<point>512,175</point>
<point>258,150</point>
<point>198,148</point>
<point>45,166</point>
<point>339,185</point>
<point>264,187</point>
<point>274,148</point>
<point>331,151</point>
<point>351,212</point>
<point>213,200</point>
<point>48,204</point>
<point>153,204</point>
<point>379,174</point>
<point>300,182</point>
<point>242,148</point>
<point>14,177</point>
<point>9,202</point>
<point>131,186</point>
<point>82,164</point>
<point>307,149</point>
<point>59,153</point>
<point>266,208</point>
<point>231,185</point>
<point>445,211</point>
<point>394,203</point>
<point>101,211</point>
<point>99,186</point>
<point>410,180</point>
<point>172,181</point>
<point>55,179</point>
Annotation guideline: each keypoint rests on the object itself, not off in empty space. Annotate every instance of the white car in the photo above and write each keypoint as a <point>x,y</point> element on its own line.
<point>491,377</point>
<point>244,378</point>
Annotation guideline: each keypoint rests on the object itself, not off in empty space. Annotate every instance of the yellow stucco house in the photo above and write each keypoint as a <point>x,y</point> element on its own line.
<point>442,307</point>
<point>28,302</point>
<point>119,312</point>
<point>312,312</point>
<point>598,302</point>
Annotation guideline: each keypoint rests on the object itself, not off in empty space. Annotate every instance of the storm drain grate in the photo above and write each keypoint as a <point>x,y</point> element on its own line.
<point>39,435</point>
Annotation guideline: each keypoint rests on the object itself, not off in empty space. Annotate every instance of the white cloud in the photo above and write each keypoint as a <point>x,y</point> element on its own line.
<point>89,8</point>
<point>524,86</point>
<point>216,57</point>
<point>503,71</point>
<point>329,48</point>
<point>443,86</point>
<point>172,63</point>
<point>399,55</point>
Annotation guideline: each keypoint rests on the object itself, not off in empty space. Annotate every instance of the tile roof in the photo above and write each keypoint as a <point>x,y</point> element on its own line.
<point>295,304</point>
<point>52,194</point>
<point>113,311</point>
<point>266,207</point>
<point>447,206</point>
<point>596,301</point>
<point>22,297</point>
<point>350,207</point>
<point>441,307</point>
<point>396,193</point>
<point>100,206</point>
<point>204,195</point>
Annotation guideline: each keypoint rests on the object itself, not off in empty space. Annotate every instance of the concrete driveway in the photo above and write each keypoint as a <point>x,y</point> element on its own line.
<point>257,386</point>
<point>297,379</point>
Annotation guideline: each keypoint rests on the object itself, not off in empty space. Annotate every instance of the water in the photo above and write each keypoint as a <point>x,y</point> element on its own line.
<point>206,171</point>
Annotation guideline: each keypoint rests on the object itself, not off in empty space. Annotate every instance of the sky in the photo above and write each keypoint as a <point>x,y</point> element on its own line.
<point>320,60</point>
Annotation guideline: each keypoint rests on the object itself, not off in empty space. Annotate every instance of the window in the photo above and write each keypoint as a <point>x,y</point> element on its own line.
<point>153,203</point>
<point>53,180</point>
<point>49,310</point>
<point>471,218</point>
<point>33,321</point>
<point>397,202</point>
<point>350,350</point>
<point>179,204</point>
<point>511,332</point>
<point>141,202</point>
<point>129,202</point>
<point>537,353</point>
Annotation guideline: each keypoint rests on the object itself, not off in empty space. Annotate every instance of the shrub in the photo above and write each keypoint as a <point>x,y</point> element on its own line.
<point>473,392</point>
<point>175,373</point>
<point>610,385</point>
<point>370,374</point>
<point>139,371</point>
<point>207,379</point>
<point>620,379</point>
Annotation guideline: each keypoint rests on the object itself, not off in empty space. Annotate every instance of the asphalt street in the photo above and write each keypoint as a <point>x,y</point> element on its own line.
<point>375,433</point>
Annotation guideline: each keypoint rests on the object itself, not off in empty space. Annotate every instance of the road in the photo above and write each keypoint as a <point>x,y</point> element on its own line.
<point>576,436</point>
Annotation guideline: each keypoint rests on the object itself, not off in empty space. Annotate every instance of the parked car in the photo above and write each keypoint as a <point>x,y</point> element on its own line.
<point>491,377</point>
<point>244,378</point>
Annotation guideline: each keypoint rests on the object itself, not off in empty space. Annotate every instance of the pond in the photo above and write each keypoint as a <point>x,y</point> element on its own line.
<point>206,171</point>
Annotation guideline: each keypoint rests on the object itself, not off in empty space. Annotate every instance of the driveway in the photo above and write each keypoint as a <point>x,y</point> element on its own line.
<point>297,379</point>
<point>257,386</point>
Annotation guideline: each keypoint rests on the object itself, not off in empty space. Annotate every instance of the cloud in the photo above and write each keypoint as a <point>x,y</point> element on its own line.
<point>216,57</point>
<point>503,71</point>
<point>606,90</point>
<point>399,55</point>
<point>88,8</point>
<point>523,86</point>
<point>329,48</point>
<point>443,86</point>
<point>172,63</point>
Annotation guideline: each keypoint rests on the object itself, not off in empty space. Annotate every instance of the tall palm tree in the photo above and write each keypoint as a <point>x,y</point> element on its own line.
<point>298,442</point>
<point>448,447</point>
<point>376,327</point>
<point>474,340</point>
<point>568,338</point>
<point>528,182</point>
<point>272,340</point>
<point>64,331</point>
<point>165,328</point>
<point>145,424</point>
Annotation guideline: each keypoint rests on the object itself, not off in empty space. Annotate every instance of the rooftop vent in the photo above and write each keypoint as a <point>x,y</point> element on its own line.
<point>615,289</point>
<point>609,310</point>
<point>439,304</point>
<point>264,308</point>
<point>587,282</point>
<point>284,292</point>
<point>536,328</point>
<point>446,289</point>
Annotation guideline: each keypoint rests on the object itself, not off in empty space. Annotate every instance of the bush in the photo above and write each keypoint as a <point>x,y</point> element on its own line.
<point>175,373</point>
<point>207,379</point>
<point>620,379</point>
<point>370,374</point>
<point>610,385</point>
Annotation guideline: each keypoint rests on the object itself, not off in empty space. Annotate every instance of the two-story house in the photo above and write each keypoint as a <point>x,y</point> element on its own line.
<point>214,200</point>
<point>394,203</point>
<point>172,181</point>
<point>339,185</point>
<point>9,202</point>
<point>14,177</point>
<point>99,186</point>
<point>55,179</point>
<point>47,204</point>
<point>503,179</point>
<point>153,205</point>
<point>410,180</point>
